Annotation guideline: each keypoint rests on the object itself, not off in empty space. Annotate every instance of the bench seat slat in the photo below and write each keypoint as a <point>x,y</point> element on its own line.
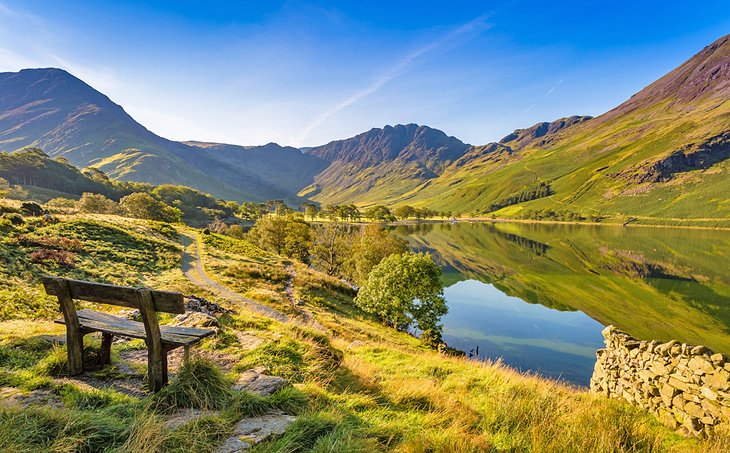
<point>171,335</point>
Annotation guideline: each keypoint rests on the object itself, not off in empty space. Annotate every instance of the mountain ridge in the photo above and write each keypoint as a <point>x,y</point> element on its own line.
<point>672,134</point>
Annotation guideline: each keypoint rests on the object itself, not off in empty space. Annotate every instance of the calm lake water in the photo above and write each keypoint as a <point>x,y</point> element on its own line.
<point>538,296</point>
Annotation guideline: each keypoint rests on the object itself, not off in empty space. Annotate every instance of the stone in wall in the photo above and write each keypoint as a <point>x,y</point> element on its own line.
<point>686,387</point>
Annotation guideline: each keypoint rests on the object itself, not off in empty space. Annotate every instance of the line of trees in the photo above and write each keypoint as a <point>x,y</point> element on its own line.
<point>532,192</point>
<point>377,213</point>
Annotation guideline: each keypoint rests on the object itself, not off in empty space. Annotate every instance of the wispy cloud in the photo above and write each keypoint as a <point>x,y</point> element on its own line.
<point>468,30</point>
<point>528,109</point>
<point>553,88</point>
<point>549,92</point>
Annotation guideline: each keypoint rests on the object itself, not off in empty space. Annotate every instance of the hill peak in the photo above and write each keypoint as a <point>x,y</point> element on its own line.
<point>706,74</point>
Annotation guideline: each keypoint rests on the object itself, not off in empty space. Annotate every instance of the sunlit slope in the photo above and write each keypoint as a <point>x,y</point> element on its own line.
<point>650,282</point>
<point>662,153</point>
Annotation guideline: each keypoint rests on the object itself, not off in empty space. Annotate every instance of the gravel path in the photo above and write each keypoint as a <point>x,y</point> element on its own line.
<point>193,269</point>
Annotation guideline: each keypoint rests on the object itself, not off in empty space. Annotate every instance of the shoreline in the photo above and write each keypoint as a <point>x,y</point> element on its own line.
<point>527,221</point>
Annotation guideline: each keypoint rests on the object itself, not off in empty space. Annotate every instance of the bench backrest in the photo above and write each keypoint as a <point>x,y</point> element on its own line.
<point>123,296</point>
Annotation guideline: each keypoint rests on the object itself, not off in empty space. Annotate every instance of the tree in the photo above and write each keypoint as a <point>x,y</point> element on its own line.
<point>96,203</point>
<point>269,233</point>
<point>405,290</point>
<point>404,212</point>
<point>369,247</point>
<point>298,240</point>
<point>4,186</point>
<point>290,236</point>
<point>142,205</point>
<point>236,231</point>
<point>252,211</point>
<point>331,249</point>
<point>379,214</point>
<point>310,210</point>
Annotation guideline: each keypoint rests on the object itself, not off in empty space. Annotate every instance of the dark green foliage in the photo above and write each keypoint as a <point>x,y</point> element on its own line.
<point>194,204</point>
<point>560,216</point>
<point>33,167</point>
<point>13,218</point>
<point>287,235</point>
<point>533,192</point>
<point>142,205</point>
<point>379,213</point>
<point>405,290</point>
<point>31,208</point>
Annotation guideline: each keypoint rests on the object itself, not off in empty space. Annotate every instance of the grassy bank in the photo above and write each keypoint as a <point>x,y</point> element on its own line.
<point>357,386</point>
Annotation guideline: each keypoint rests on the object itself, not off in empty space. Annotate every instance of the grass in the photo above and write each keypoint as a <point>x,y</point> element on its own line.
<point>358,387</point>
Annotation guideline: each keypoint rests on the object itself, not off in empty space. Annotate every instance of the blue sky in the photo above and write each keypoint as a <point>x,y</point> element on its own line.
<point>304,73</point>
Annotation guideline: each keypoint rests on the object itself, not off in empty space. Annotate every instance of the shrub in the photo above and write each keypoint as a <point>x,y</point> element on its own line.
<point>14,218</point>
<point>59,257</point>
<point>97,204</point>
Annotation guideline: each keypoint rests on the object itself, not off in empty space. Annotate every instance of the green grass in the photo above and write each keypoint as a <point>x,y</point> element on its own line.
<point>358,387</point>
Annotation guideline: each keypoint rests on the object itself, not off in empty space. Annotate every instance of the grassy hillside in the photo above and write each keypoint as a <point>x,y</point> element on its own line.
<point>357,386</point>
<point>663,154</point>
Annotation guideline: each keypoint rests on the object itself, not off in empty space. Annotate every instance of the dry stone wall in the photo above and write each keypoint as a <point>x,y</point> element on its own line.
<point>686,387</point>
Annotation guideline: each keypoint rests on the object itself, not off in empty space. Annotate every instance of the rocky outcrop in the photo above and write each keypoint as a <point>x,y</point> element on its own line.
<point>540,133</point>
<point>700,156</point>
<point>686,387</point>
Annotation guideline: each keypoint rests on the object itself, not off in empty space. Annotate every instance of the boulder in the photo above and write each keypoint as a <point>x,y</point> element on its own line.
<point>196,319</point>
<point>255,381</point>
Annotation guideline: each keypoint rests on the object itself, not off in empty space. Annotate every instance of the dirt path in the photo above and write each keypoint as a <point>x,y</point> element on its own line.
<point>193,269</point>
<point>306,316</point>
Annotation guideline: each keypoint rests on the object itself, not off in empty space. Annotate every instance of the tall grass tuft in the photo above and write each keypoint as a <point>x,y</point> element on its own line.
<point>198,384</point>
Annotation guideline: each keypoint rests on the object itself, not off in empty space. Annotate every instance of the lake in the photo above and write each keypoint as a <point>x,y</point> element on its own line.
<point>537,296</point>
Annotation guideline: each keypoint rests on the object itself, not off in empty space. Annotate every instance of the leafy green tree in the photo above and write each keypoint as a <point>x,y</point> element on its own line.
<point>236,231</point>
<point>62,202</point>
<point>404,212</point>
<point>406,290</point>
<point>332,248</point>
<point>298,240</point>
<point>142,205</point>
<point>96,203</point>
<point>278,207</point>
<point>379,213</point>
<point>310,210</point>
<point>252,211</point>
<point>269,233</point>
<point>348,213</point>
<point>4,187</point>
<point>289,236</point>
<point>369,247</point>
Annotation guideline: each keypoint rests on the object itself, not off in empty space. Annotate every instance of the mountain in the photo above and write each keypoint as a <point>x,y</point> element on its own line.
<point>278,171</point>
<point>540,133</point>
<point>55,111</point>
<point>382,163</point>
<point>661,154</point>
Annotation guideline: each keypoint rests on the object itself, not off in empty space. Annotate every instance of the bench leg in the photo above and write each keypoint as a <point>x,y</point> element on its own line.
<point>164,366</point>
<point>75,348</point>
<point>186,353</point>
<point>105,353</point>
<point>156,368</point>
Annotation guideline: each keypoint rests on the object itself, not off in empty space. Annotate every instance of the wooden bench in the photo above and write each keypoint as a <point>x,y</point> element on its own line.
<point>159,339</point>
